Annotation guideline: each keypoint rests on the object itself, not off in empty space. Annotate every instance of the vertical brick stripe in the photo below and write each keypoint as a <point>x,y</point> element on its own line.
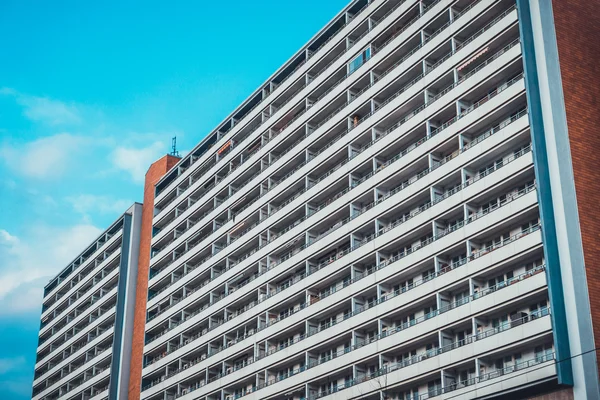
<point>577,25</point>
<point>564,394</point>
<point>155,172</point>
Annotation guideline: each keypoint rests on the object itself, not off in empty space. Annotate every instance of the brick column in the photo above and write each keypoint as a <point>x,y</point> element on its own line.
<point>577,24</point>
<point>154,174</point>
<point>563,394</point>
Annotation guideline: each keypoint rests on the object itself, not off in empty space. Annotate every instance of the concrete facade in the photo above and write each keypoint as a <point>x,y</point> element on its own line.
<point>87,318</point>
<point>346,233</point>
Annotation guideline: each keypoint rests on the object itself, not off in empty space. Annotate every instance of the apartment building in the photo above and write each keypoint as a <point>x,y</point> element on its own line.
<point>367,224</point>
<point>87,319</point>
<point>405,210</point>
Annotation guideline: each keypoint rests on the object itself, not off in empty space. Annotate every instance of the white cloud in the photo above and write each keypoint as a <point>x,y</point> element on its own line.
<point>50,157</point>
<point>24,298</point>
<point>26,264</point>
<point>44,109</point>
<point>7,239</point>
<point>47,157</point>
<point>89,203</point>
<point>136,161</point>
<point>10,364</point>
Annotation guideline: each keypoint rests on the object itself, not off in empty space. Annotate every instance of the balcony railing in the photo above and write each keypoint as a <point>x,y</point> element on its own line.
<point>398,329</point>
<point>410,115</point>
<point>91,320</point>
<point>80,278</point>
<point>67,353</point>
<point>389,296</point>
<point>370,238</point>
<point>386,72</point>
<point>437,351</point>
<point>82,307</point>
<point>310,55</point>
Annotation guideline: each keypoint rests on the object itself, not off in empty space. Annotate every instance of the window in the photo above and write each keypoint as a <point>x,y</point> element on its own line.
<point>347,347</point>
<point>502,199</point>
<point>434,387</point>
<point>327,322</point>
<point>326,355</point>
<point>462,298</point>
<point>517,358</point>
<point>538,309</point>
<point>239,363</point>
<point>430,311</point>
<point>409,319</point>
<point>431,349</point>
<point>348,380</point>
<point>454,225</point>
<point>530,225</point>
<point>286,342</point>
<point>543,353</point>
<point>404,286</point>
<point>285,313</point>
<point>286,372</point>
<point>359,60</point>
<point>371,301</point>
<point>407,357</point>
<point>371,336</point>
<point>500,281</point>
<point>508,363</point>
<point>497,241</point>
<point>501,323</point>
<point>327,388</point>
<point>327,291</point>
<point>499,364</point>
<point>429,274</point>
<point>467,376</point>
<point>410,395</point>
<point>459,259</point>
<point>517,152</point>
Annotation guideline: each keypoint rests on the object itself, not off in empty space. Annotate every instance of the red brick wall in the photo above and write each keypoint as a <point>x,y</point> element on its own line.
<point>564,394</point>
<point>577,25</point>
<point>155,172</point>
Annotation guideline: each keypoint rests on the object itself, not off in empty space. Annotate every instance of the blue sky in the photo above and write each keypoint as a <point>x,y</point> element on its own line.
<point>90,94</point>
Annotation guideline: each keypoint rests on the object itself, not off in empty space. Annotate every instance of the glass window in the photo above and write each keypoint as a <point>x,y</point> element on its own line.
<point>355,64</point>
<point>359,60</point>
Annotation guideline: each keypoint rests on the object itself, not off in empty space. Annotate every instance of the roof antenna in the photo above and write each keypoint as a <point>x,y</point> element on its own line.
<point>174,151</point>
